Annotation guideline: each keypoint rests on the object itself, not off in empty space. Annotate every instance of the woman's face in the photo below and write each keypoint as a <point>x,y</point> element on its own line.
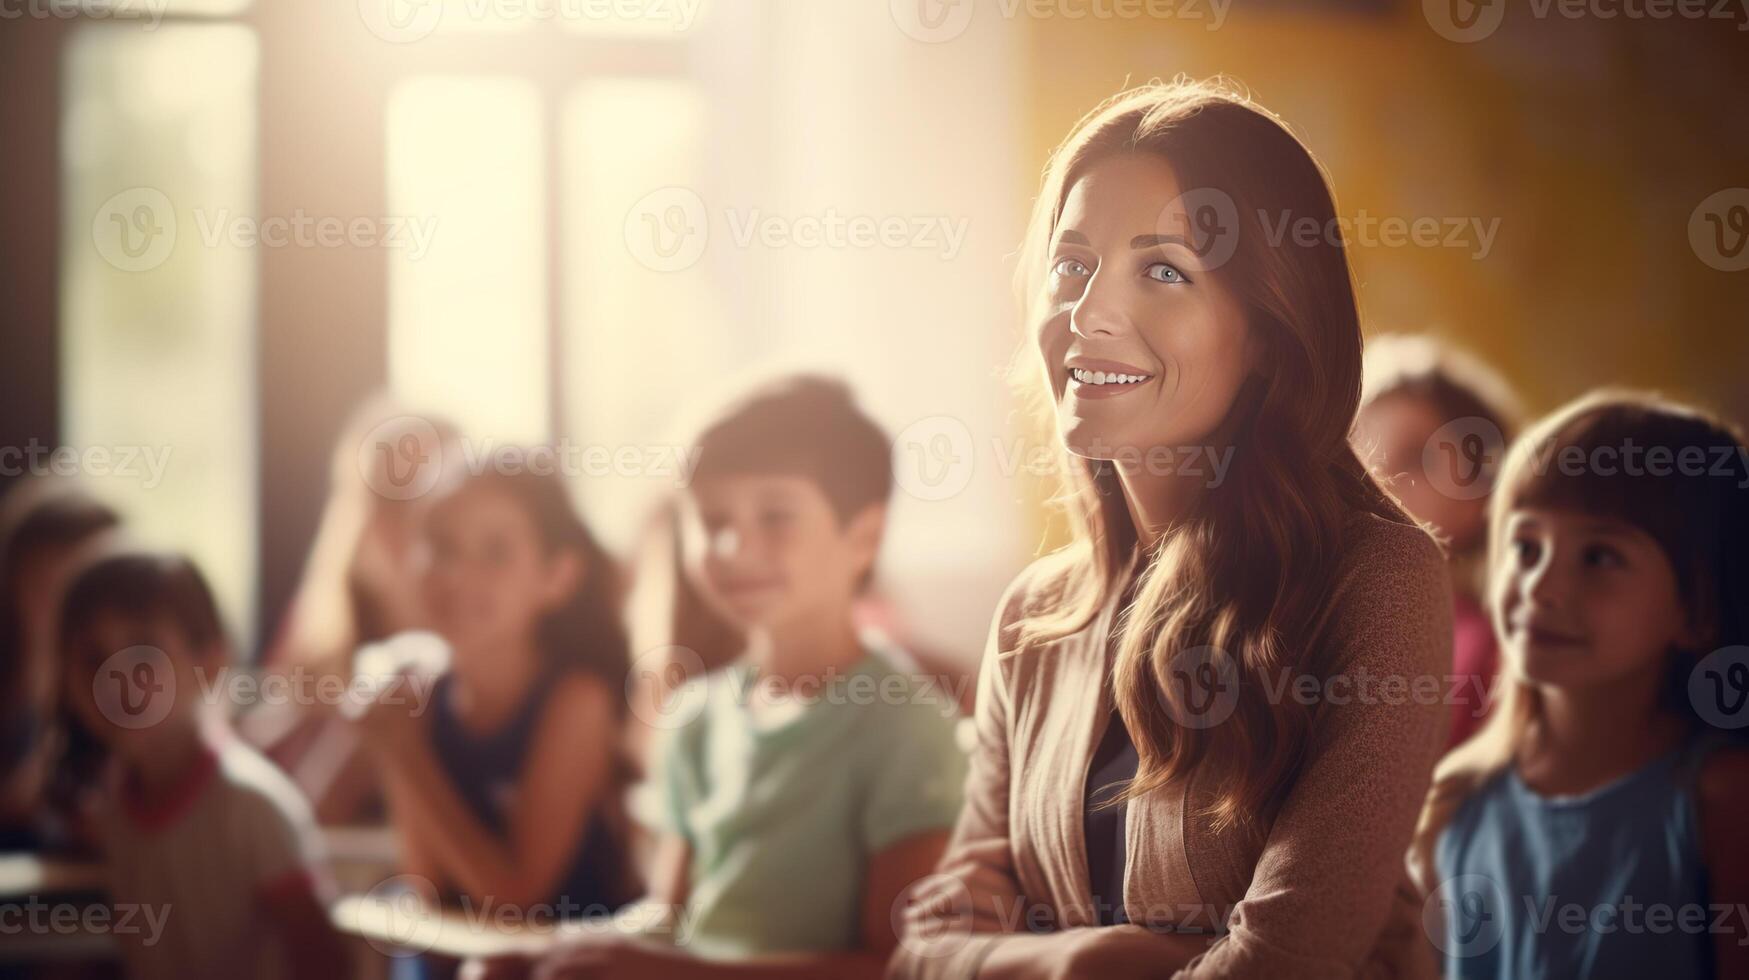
<point>1144,346</point>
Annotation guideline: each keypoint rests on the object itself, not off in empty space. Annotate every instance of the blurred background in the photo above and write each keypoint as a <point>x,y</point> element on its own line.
<point>228,223</point>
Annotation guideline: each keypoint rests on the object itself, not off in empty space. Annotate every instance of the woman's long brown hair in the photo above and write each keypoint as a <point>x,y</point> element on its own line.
<point>1250,569</point>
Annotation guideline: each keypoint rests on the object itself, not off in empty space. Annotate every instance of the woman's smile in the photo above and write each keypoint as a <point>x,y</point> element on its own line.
<point>1097,378</point>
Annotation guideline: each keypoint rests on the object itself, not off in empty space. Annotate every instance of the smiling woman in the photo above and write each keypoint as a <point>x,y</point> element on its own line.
<point>1140,786</point>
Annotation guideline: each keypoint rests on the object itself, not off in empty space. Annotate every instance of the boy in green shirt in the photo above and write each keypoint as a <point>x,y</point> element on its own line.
<point>814,781</point>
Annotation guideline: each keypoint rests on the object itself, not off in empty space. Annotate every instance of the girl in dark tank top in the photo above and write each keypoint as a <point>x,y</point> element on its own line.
<point>506,783</point>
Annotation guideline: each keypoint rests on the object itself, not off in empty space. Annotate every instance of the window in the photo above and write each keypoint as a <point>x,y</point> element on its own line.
<point>643,328</point>
<point>157,297</point>
<point>468,311</point>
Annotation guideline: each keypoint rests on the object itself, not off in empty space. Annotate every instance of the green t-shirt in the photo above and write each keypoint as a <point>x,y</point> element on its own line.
<point>783,817</point>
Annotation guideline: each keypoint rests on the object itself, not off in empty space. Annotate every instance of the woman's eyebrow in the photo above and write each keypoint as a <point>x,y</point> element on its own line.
<point>1072,237</point>
<point>1149,241</point>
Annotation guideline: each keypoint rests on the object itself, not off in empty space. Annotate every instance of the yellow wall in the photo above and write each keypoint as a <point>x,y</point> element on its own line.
<point>1592,141</point>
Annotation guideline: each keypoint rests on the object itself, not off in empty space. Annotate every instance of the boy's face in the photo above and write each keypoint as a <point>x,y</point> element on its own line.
<point>1582,601</point>
<point>133,682</point>
<point>767,551</point>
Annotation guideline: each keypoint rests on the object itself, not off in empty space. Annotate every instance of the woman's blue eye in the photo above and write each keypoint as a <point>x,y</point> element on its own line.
<point>1162,272</point>
<point>1069,267</point>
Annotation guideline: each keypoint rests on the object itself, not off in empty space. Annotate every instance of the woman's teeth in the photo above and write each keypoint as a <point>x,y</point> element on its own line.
<point>1102,378</point>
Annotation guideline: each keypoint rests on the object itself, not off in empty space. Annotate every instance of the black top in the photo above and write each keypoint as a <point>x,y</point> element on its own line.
<point>484,770</point>
<point>1113,765</point>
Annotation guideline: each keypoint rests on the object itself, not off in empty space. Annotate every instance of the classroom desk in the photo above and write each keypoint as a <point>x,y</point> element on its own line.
<point>404,925</point>
<point>368,852</point>
<point>58,888</point>
<point>25,874</point>
<point>360,856</point>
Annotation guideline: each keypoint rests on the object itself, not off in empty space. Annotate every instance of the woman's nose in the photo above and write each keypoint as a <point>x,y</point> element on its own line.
<point>1098,313</point>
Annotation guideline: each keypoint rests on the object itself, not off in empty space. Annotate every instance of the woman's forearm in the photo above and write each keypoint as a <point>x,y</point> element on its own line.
<point>1118,952</point>
<point>816,966</point>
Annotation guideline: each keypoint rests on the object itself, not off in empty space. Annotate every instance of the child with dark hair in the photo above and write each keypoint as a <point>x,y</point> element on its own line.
<point>43,530</point>
<point>799,792</point>
<point>507,793</point>
<point>1612,778</point>
<point>1433,425</point>
<point>207,844</point>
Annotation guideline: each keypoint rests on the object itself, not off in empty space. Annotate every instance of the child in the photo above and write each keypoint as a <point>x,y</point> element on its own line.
<point>816,782</point>
<point>359,585</point>
<point>47,526</point>
<point>1433,424</point>
<point>507,793</point>
<point>1618,560</point>
<point>204,841</point>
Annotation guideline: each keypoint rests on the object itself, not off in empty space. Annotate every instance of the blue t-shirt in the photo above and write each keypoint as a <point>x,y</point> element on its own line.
<point>1608,883</point>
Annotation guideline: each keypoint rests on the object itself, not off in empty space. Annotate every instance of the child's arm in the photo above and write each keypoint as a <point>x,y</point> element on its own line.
<point>297,915</point>
<point>559,787</point>
<point>670,880</point>
<point>1724,798</point>
<point>949,920</point>
<point>892,871</point>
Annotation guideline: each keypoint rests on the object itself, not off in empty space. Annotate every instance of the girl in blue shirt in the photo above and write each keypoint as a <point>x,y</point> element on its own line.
<point>1592,828</point>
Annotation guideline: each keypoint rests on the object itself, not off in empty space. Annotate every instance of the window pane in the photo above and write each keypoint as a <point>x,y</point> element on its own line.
<point>643,329</point>
<point>158,311</point>
<point>468,316</point>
